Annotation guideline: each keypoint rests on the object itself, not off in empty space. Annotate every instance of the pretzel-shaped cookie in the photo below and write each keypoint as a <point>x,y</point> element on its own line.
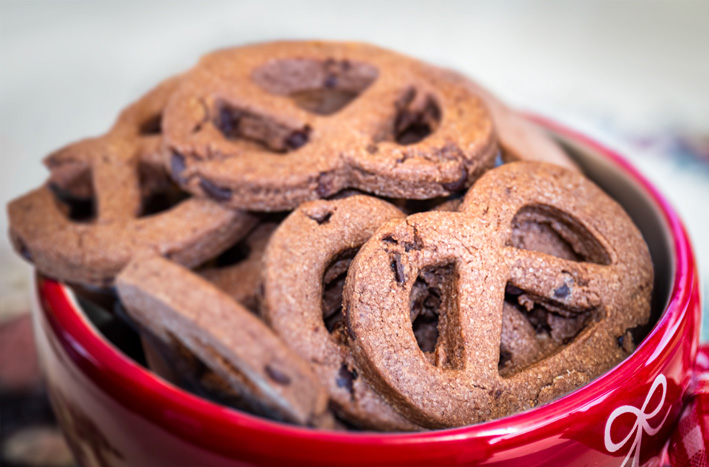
<point>308,252</point>
<point>93,252</point>
<point>472,249</point>
<point>269,126</point>
<point>246,358</point>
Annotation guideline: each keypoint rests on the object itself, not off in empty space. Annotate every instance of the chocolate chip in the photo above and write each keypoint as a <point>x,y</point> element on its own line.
<point>325,185</point>
<point>372,148</point>
<point>620,340</point>
<point>417,244</point>
<point>228,121</point>
<point>216,192</point>
<point>330,81</point>
<point>398,268</point>
<point>177,166</point>
<point>277,375</point>
<point>562,292</point>
<point>345,378</point>
<point>418,241</point>
<point>297,139</point>
<point>458,184</point>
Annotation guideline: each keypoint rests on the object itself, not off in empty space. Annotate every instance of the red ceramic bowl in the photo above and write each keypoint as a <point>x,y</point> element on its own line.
<point>115,412</point>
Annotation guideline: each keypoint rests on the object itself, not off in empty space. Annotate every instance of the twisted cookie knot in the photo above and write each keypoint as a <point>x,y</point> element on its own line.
<point>269,126</point>
<point>460,383</point>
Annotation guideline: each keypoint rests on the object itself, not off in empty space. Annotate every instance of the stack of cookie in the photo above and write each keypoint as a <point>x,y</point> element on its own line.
<point>339,236</point>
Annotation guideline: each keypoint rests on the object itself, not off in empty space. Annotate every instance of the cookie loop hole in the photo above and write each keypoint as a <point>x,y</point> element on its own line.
<point>548,230</point>
<point>234,255</point>
<point>151,126</point>
<point>158,192</point>
<point>77,208</point>
<point>434,316</point>
<point>322,87</point>
<point>417,117</point>
<point>333,283</point>
<point>533,329</point>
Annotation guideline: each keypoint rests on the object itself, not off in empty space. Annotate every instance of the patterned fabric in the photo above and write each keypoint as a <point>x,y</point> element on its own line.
<point>689,443</point>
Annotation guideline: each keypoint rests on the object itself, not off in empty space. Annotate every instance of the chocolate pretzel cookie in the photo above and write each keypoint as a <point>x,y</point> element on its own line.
<point>304,269</point>
<point>92,249</point>
<point>601,297</point>
<point>245,357</point>
<point>269,126</point>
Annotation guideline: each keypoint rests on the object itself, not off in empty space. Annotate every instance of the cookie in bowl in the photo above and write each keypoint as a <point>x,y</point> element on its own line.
<point>339,250</point>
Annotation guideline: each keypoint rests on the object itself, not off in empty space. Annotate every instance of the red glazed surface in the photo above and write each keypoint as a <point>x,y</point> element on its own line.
<point>117,413</point>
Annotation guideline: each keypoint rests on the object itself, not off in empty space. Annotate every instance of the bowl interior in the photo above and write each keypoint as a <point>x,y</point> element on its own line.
<point>641,207</point>
<point>611,175</point>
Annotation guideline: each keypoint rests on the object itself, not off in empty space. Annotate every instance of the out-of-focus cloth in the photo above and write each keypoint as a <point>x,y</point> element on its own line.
<point>689,444</point>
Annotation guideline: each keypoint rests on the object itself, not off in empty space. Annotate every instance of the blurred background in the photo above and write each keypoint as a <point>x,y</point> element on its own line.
<point>633,74</point>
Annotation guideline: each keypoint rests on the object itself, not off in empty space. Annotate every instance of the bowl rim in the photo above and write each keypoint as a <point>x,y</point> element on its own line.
<point>121,377</point>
